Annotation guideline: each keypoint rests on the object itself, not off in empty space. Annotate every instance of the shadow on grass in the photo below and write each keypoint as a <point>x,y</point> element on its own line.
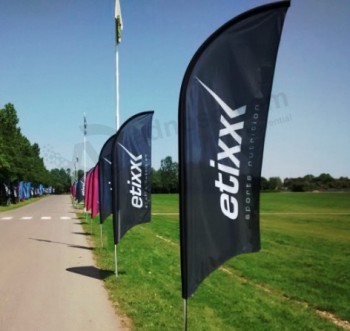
<point>92,272</point>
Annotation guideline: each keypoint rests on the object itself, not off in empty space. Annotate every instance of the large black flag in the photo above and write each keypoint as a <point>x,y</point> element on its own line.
<point>223,110</point>
<point>105,179</point>
<point>131,174</point>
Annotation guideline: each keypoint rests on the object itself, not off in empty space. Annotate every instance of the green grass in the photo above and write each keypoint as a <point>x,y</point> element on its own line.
<point>303,267</point>
<point>20,204</point>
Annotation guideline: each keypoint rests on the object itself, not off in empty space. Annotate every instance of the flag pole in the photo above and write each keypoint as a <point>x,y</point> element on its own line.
<point>185,315</point>
<point>115,260</point>
<point>84,161</point>
<point>117,87</point>
<point>115,246</point>
<point>101,235</point>
<point>118,29</point>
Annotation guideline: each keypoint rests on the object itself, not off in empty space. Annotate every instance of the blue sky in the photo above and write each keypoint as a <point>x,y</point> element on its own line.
<point>57,61</point>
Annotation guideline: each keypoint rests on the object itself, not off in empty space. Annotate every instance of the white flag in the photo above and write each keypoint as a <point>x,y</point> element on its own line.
<point>118,22</point>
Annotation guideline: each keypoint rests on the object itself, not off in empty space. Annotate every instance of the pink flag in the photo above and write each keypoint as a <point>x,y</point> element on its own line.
<point>94,192</point>
<point>88,190</point>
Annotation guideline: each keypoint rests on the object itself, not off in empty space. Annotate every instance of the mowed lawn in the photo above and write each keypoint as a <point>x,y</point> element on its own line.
<point>300,280</point>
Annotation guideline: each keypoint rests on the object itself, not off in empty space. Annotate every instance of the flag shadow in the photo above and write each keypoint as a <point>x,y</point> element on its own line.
<point>61,243</point>
<point>91,271</point>
<point>82,233</point>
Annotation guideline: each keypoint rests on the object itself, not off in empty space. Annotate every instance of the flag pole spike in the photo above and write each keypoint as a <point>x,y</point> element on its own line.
<point>115,260</point>
<point>101,235</point>
<point>185,315</point>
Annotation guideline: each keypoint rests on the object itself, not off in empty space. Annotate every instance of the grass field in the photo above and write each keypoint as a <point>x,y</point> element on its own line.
<point>20,204</point>
<point>299,281</point>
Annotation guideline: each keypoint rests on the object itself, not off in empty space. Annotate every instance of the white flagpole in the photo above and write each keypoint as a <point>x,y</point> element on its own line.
<point>101,235</point>
<point>185,315</point>
<point>117,119</point>
<point>118,29</point>
<point>84,158</point>
<point>115,260</point>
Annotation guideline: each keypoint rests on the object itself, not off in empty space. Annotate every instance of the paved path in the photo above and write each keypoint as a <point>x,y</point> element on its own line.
<point>48,281</point>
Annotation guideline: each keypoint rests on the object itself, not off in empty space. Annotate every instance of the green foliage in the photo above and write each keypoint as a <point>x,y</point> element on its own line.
<point>166,179</point>
<point>60,179</point>
<point>302,267</point>
<point>323,182</point>
<point>311,183</point>
<point>20,160</point>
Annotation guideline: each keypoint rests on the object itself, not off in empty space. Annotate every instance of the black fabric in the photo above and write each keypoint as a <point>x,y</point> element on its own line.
<point>223,111</point>
<point>105,179</point>
<point>131,174</point>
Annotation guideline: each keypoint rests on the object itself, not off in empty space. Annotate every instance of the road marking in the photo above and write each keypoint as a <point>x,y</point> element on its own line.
<point>46,217</point>
<point>26,217</point>
<point>65,218</point>
<point>7,218</point>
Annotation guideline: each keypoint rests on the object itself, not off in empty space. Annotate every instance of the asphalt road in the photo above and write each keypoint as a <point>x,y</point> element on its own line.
<point>48,280</point>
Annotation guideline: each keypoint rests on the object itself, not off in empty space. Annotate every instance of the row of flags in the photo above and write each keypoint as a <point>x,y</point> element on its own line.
<point>22,190</point>
<point>223,110</point>
<point>120,182</point>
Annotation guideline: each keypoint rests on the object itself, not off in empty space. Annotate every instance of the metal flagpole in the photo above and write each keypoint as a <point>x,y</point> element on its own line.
<point>101,232</point>
<point>117,87</point>
<point>115,260</point>
<point>185,314</point>
<point>118,29</point>
<point>84,161</point>
<point>115,246</point>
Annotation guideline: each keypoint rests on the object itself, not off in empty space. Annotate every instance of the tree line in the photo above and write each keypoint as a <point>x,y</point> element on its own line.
<point>166,180</point>
<point>20,159</point>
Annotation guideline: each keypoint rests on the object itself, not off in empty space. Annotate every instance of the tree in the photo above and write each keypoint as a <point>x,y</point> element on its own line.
<point>156,181</point>
<point>8,140</point>
<point>4,165</point>
<point>19,159</point>
<point>325,181</point>
<point>60,179</point>
<point>275,183</point>
<point>169,174</point>
<point>264,184</point>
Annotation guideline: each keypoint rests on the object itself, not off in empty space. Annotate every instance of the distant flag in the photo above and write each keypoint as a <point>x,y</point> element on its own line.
<point>88,189</point>
<point>223,109</point>
<point>94,193</point>
<point>85,125</point>
<point>73,190</point>
<point>131,174</point>
<point>105,179</point>
<point>80,190</point>
<point>21,191</point>
<point>118,22</point>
